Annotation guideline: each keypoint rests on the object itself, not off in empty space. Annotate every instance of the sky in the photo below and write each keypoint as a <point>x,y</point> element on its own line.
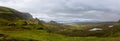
<point>68,10</point>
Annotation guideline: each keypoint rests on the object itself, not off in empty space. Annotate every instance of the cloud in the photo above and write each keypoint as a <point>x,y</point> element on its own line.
<point>107,10</point>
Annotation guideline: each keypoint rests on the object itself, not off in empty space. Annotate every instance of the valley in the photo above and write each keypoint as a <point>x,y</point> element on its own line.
<point>21,26</point>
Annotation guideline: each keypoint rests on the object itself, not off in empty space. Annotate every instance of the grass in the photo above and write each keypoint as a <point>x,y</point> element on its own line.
<point>42,35</point>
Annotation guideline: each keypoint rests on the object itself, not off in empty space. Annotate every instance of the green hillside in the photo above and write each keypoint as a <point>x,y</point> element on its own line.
<point>20,26</point>
<point>11,14</point>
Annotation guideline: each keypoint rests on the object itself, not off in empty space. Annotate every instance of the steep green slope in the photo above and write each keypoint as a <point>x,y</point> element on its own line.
<point>9,15</point>
<point>12,14</point>
<point>13,20</point>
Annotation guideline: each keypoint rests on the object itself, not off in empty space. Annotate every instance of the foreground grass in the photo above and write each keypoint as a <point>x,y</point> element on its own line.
<point>42,35</point>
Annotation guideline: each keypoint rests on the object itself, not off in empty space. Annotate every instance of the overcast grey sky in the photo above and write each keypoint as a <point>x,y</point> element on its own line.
<point>107,10</point>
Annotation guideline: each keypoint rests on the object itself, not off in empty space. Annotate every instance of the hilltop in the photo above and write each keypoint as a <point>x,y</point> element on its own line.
<point>8,14</point>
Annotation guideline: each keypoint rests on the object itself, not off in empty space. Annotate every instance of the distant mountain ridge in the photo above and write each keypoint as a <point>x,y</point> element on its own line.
<point>78,20</point>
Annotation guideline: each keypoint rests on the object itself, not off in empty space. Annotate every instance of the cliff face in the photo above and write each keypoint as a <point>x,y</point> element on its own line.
<point>12,14</point>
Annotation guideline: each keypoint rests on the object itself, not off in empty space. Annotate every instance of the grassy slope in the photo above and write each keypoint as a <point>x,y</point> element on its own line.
<point>42,35</point>
<point>17,33</point>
